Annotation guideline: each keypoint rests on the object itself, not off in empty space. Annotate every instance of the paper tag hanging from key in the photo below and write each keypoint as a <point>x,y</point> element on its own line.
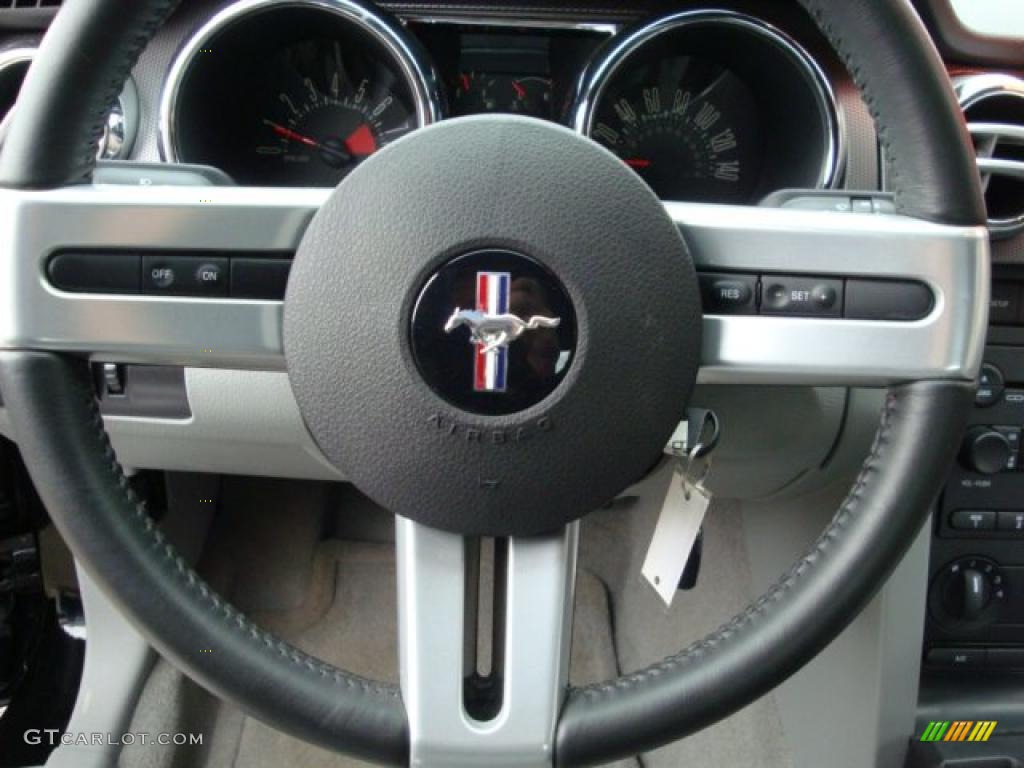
<point>686,503</point>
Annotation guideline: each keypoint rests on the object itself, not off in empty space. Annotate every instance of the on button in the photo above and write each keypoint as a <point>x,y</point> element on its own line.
<point>211,278</point>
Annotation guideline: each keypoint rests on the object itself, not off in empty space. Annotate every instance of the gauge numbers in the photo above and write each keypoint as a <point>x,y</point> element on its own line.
<point>687,126</point>
<point>328,114</point>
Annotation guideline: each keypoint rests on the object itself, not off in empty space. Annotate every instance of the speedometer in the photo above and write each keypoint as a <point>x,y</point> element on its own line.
<point>712,106</point>
<point>688,126</point>
<point>296,93</point>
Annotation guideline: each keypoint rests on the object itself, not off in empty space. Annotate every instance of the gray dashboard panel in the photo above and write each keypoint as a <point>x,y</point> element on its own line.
<point>243,422</point>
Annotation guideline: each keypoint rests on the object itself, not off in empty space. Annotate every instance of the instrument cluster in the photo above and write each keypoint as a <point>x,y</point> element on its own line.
<point>707,106</point>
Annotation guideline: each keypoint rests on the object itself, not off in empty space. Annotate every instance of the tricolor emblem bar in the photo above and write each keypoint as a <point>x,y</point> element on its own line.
<point>491,369</point>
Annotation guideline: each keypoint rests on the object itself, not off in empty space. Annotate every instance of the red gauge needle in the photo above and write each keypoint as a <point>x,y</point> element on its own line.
<point>291,135</point>
<point>636,162</point>
<point>361,141</point>
<point>519,89</point>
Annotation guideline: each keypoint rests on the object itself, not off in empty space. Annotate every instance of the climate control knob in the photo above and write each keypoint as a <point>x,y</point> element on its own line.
<point>985,450</point>
<point>968,593</point>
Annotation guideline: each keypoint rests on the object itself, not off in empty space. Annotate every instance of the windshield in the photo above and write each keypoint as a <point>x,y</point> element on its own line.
<point>1001,18</point>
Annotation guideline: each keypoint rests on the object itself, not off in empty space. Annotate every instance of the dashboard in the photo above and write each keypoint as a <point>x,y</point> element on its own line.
<point>729,102</point>
<point>705,105</point>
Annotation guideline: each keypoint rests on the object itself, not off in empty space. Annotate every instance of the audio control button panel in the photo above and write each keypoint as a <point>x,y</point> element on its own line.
<point>984,495</point>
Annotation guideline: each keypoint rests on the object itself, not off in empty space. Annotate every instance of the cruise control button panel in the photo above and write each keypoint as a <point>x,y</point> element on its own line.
<point>184,276</point>
<point>728,293</point>
<point>198,274</point>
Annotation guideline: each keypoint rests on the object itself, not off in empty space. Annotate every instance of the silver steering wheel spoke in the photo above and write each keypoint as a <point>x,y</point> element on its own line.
<point>737,349</point>
<point>437,639</point>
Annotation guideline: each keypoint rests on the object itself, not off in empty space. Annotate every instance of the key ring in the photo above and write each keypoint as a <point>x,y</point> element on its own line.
<point>704,439</point>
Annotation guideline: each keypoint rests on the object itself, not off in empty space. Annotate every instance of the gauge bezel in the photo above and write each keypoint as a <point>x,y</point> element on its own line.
<point>11,57</point>
<point>601,70</point>
<point>415,66</point>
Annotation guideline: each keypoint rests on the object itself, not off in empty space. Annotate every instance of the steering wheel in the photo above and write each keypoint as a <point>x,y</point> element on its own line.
<point>382,264</point>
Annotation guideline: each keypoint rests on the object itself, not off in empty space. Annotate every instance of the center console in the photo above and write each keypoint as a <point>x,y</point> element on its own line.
<point>976,598</point>
<point>973,655</point>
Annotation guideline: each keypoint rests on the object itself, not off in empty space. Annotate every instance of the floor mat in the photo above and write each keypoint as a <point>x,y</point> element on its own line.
<point>336,600</point>
<point>347,618</point>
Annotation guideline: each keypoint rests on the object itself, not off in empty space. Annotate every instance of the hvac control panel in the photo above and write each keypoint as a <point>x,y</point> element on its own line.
<point>976,590</point>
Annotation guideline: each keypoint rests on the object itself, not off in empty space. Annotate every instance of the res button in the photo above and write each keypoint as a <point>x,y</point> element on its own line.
<point>728,294</point>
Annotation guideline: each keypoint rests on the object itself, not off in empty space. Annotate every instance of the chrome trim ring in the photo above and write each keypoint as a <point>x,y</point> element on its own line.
<point>597,27</point>
<point>118,132</point>
<point>600,71</point>
<point>419,73</point>
<point>19,55</point>
<point>974,89</point>
<point>10,58</point>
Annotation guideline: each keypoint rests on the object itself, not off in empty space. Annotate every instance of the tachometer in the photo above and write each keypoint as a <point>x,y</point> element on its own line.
<point>323,112</point>
<point>295,94</point>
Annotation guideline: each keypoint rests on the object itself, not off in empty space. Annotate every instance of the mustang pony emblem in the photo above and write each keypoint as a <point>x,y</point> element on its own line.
<point>492,328</point>
<point>495,331</point>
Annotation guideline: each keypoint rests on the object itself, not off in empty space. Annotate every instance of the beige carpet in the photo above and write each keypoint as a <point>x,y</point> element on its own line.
<point>335,599</point>
<point>348,618</point>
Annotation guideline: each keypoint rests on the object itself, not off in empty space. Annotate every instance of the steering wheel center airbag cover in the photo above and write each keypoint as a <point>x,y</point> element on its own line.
<point>492,185</point>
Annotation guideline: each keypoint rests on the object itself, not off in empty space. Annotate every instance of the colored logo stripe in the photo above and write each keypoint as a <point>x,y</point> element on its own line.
<point>959,730</point>
<point>935,731</point>
<point>490,370</point>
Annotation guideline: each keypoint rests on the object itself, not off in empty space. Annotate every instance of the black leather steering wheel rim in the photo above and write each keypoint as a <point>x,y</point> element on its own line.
<point>86,56</point>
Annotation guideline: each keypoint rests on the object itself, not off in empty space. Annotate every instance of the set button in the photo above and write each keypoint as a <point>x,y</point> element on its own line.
<point>810,296</point>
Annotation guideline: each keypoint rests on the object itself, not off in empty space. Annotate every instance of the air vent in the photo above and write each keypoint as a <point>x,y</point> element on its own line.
<point>994,108</point>
<point>31,4</point>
